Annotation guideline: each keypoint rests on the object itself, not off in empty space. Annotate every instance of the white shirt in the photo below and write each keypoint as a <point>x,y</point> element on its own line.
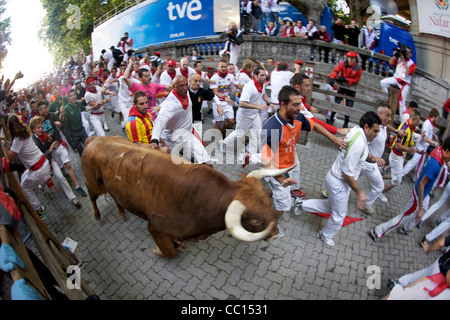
<point>251,95</point>
<point>351,161</point>
<point>191,71</point>
<point>279,79</point>
<point>124,94</point>
<point>243,78</point>
<point>97,97</point>
<point>171,117</point>
<point>223,85</point>
<point>427,128</point>
<point>166,78</point>
<point>377,146</point>
<point>27,151</point>
<point>300,31</point>
<point>400,71</point>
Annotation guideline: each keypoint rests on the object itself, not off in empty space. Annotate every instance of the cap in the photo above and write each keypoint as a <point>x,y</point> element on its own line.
<point>171,62</point>
<point>156,54</point>
<point>77,81</point>
<point>300,62</point>
<point>352,54</point>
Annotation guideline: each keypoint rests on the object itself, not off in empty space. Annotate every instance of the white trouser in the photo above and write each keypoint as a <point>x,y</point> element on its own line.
<point>31,180</point>
<point>410,278</point>
<point>336,204</point>
<point>191,146</point>
<point>407,217</point>
<point>85,118</point>
<point>228,112</point>
<point>263,115</point>
<point>61,155</point>
<point>125,109</point>
<point>438,204</point>
<point>281,195</point>
<point>441,228</point>
<point>386,83</point>
<point>396,163</point>
<point>98,121</point>
<point>375,179</point>
<point>418,161</point>
<point>246,125</point>
<point>62,180</point>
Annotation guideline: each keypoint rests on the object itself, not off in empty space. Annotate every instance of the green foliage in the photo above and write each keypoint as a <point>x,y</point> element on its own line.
<point>68,25</point>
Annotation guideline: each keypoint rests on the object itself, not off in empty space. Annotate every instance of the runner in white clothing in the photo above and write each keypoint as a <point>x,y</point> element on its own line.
<point>419,158</point>
<point>279,78</point>
<point>221,84</point>
<point>342,176</point>
<point>94,98</point>
<point>248,122</point>
<point>376,149</point>
<point>173,126</point>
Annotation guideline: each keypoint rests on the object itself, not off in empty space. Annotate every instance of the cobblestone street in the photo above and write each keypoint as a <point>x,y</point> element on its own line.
<point>117,262</point>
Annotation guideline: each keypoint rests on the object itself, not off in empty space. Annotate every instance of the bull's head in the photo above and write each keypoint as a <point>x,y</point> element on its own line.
<point>254,205</point>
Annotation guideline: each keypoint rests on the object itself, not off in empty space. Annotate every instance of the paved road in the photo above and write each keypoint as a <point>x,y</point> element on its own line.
<point>118,264</point>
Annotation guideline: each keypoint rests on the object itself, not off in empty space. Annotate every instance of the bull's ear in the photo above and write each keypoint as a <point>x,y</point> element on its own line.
<point>263,173</point>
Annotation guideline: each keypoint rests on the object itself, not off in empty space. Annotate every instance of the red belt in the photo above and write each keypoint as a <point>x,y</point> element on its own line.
<point>397,153</point>
<point>100,113</point>
<point>38,164</point>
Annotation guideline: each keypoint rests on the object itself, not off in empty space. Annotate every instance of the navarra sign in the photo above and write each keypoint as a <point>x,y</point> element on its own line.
<point>434,17</point>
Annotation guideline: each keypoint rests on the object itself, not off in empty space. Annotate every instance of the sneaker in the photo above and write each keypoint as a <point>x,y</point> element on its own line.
<point>298,206</point>
<point>246,160</point>
<point>373,235</point>
<point>325,240</point>
<point>281,234</point>
<point>438,221</point>
<point>81,191</point>
<point>76,203</point>
<point>368,211</point>
<point>298,193</point>
<point>392,283</point>
<point>383,198</point>
<point>41,213</point>
<point>325,193</point>
<point>402,230</point>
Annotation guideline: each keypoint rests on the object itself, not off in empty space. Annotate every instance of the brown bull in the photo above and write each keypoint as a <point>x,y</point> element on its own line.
<point>181,202</point>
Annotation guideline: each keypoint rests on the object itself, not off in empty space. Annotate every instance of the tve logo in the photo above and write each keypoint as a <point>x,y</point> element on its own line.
<point>187,8</point>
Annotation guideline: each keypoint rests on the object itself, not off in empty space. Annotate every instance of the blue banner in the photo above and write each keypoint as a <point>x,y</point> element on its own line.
<point>155,22</point>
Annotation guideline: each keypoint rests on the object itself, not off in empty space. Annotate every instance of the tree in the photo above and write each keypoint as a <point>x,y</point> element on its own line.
<point>67,27</point>
<point>5,30</point>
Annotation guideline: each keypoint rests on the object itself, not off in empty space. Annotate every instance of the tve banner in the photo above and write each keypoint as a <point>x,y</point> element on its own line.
<point>154,22</point>
<point>434,17</point>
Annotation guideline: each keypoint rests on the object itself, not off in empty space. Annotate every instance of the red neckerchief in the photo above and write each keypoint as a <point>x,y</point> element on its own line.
<point>441,284</point>
<point>154,72</point>
<point>184,73</point>
<point>412,128</point>
<point>43,137</point>
<point>431,122</point>
<point>223,75</point>
<point>172,75</point>
<point>199,72</point>
<point>88,90</point>
<point>438,155</point>
<point>183,100</point>
<point>259,86</point>
<point>245,71</point>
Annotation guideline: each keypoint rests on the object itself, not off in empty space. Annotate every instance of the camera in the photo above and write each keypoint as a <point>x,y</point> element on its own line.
<point>401,50</point>
<point>233,32</point>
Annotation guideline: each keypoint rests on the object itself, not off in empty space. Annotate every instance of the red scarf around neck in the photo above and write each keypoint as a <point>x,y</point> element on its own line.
<point>259,86</point>
<point>437,154</point>
<point>223,75</point>
<point>183,100</point>
<point>185,73</point>
<point>245,71</point>
<point>43,137</point>
<point>172,75</point>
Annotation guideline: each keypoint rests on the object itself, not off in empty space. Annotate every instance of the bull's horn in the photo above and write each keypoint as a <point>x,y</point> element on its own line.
<point>263,173</point>
<point>233,223</point>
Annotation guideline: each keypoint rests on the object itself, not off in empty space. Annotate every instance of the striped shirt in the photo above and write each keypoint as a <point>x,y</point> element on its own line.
<point>407,140</point>
<point>139,127</point>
